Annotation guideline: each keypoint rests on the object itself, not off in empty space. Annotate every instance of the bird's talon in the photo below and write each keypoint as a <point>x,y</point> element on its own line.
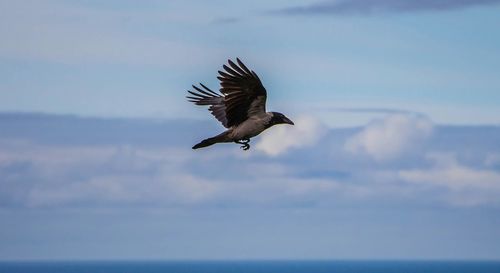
<point>245,146</point>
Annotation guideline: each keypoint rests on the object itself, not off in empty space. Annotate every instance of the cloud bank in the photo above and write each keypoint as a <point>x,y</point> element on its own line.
<point>368,7</point>
<point>64,162</point>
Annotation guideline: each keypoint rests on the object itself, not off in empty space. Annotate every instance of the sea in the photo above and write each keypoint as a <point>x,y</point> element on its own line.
<point>253,267</point>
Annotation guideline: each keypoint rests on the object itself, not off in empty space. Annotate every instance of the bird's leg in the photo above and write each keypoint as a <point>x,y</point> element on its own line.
<point>245,146</point>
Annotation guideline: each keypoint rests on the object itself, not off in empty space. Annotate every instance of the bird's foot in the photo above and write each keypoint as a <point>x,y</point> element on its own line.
<point>245,146</point>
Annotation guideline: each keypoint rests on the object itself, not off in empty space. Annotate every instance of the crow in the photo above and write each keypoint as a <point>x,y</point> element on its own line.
<point>241,106</point>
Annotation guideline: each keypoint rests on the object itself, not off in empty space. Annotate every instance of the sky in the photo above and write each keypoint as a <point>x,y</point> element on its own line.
<point>394,155</point>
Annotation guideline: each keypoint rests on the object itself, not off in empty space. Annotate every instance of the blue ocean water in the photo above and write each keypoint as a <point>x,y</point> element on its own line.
<point>252,267</point>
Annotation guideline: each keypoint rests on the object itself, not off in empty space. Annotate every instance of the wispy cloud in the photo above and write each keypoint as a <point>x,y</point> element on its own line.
<point>368,7</point>
<point>467,186</point>
<point>69,33</point>
<point>226,20</point>
<point>371,110</point>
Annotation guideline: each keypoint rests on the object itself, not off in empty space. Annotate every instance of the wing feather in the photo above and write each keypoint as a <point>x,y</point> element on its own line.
<point>211,98</point>
<point>243,91</point>
<point>243,95</point>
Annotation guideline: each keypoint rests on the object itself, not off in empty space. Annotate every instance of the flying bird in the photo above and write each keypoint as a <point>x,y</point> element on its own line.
<point>240,106</point>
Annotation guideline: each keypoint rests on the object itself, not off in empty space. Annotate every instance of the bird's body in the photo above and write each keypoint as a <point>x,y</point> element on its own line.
<point>241,108</point>
<point>251,127</point>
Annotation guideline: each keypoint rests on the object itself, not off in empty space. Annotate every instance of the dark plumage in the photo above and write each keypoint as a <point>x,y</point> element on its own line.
<point>241,106</point>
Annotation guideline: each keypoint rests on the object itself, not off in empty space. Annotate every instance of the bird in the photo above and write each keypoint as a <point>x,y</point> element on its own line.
<point>240,106</point>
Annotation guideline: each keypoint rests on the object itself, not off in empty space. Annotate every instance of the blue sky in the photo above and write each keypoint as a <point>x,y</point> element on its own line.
<point>394,154</point>
<point>75,57</point>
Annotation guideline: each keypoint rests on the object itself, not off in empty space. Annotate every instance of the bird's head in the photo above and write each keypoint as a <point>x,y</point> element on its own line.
<point>279,118</point>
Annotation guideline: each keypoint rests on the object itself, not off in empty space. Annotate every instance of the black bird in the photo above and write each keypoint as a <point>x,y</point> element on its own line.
<point>241,107</point>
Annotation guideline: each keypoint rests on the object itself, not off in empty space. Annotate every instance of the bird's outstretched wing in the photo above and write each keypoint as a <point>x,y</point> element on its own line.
<point>244,94</point>
<point>209,97</point>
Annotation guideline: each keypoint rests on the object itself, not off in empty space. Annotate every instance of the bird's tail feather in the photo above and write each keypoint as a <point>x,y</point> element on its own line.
<point>211,141</point>
<point>206,142</point>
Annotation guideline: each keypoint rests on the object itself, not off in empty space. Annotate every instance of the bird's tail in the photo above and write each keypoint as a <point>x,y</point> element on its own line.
<point>211,141</point>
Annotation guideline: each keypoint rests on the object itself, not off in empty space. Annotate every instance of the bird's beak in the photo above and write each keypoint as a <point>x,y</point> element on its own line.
<point>288,121</point>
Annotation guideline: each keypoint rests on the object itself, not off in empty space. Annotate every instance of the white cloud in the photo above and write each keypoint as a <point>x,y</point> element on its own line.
<point>466,186</point>
<point>43,173</point>
<point>61,176</point>
<point>390,137</point>
<point>277,140</point>
<point>126,188</point>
